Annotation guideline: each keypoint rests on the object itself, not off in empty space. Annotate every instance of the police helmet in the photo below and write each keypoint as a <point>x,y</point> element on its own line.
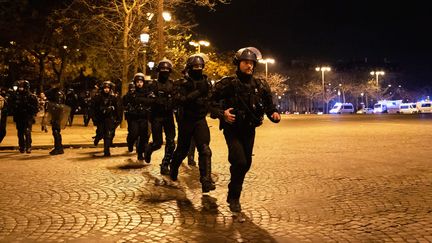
<point>196,61</point>
<point>131,85</point>
<point>108,84</point>
<point>23,84</point>
<point>164,64</point>
<point>138,76</point>
<point>247,53</point>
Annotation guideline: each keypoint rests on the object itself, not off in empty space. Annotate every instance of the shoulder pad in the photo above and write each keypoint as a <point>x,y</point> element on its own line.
<point>262,83</point>
<point>180,81</point>
<point>225,80</point>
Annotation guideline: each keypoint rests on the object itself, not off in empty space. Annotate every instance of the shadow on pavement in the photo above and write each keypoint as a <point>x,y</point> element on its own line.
<point>33,157</point>
<point>129,164</point>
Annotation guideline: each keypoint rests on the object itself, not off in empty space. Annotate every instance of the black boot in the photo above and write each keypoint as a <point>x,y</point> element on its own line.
<point>148,150</point>
<point>107,145</point>
<point>56,151</point>
<point>234,205</point>
<point>164,170</point>
<point>191,161</point>
<point>204,161</point>
<point>58,147</point>
<point>174,168</point>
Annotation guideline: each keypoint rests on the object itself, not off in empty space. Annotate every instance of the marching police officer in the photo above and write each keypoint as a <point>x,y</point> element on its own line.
<point>24,106</point>
<point>4,101</point>
<point>57,109</point>
<point>73,102</point>
<point>85,104</point>
<point>162,115</point>
<point>194,93</point>
<point>138,115</point>
<point>240,103</point>
<point>128,108</point>
<point>107,114</point>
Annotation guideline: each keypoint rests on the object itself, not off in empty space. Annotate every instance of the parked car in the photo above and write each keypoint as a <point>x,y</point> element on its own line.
<point>424,107</point>
<point>365,111</point>
<point>341,108</point>
<point>408,108</point>
<point>387,106</point>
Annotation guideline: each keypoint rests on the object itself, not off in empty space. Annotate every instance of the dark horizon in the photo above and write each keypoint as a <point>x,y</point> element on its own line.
<point>325,32</point>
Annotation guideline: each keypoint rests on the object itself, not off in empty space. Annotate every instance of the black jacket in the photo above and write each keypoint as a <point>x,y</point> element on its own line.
<point>250,98</point>
<point>193,98</point>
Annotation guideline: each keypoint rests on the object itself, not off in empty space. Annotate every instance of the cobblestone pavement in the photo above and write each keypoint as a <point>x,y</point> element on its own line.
<point>321,179</point>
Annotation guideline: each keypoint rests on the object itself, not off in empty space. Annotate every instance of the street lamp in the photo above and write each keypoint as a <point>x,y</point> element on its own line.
<point>323,70</point>
<point>266,62</point>
<point>377,73</point>
<point>199,44</point>
<point>145,38</point>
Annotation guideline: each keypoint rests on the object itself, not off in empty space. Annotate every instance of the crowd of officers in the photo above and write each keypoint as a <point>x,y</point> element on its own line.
<point>239,102</point>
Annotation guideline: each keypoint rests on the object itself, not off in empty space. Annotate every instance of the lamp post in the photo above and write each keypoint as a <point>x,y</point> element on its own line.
<point>199,44</point>
<point>266,62</point>
<point>144,37</point>
<point>323,70</point>
<point>377,74</point>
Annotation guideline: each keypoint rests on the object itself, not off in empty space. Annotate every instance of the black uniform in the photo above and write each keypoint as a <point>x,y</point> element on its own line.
<point>73,102</point>
<point>127,102</point>
<point>194,97</point>
<point>162,119</point>
<point>107,114</point>
<point>24,106</point>
<point>56,107</point>
<point>138,118</point>
<point>251,99</point>
<point>4,96</point>
<point>85,106</point>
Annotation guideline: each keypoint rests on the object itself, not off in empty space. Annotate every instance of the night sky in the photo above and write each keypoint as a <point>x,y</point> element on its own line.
<point>326,31</point>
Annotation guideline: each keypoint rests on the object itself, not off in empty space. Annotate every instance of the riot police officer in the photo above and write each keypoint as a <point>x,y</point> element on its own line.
<point>194,91</point>
<point>4,96</point>
<point>72,102</point>
<point>128,108</point>
<point>162,115</point>
<point>107,113</point>
<point>85,105</point>
<point>24,107</point>
<point>58,111</point>
<point>240,103</point>
<point>138,115</point>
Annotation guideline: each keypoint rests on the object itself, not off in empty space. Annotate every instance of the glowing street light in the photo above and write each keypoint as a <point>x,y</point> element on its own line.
<point>377,73</point>
<point>144,38</point>
<point>266,62</point>
<point>199,44</point>
<point>166,16</point>
<point>323,70</point>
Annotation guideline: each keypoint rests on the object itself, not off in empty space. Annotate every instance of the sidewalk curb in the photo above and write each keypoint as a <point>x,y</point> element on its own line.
<point>47,147</point>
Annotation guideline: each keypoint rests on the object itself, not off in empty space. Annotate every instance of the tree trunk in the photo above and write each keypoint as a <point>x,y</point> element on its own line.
<point>41,72</point>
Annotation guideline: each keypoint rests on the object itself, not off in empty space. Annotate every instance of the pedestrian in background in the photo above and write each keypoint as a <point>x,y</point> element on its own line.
<point>24,106</point>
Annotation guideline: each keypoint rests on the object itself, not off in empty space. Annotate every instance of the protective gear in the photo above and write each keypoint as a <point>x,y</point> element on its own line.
<point>247,53</point>
<point>131,86</point>
<point>164,64</point>
<point>23,84</point>
<point>108,84</point>
<point>195,74</point>
<point>234,205</point>
<point>204,163</point>
<point>196,62</point>
<point>163,76</point>
<point>139,76</point>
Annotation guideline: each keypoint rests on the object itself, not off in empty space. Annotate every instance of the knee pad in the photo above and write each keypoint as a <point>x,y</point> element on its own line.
<point>204,150</point>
